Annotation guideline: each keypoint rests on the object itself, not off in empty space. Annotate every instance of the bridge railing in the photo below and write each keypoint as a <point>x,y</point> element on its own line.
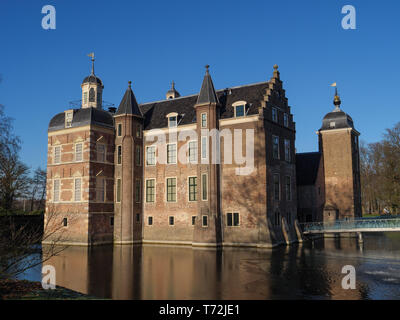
<point>351,224</point>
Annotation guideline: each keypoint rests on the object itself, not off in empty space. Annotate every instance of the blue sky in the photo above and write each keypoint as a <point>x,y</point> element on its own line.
<point>152,43</point>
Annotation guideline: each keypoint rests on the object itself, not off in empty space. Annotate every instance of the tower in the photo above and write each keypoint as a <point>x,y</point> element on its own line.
<point>172,93</point>
<point>208,229</point>
<point>338,143</point>
<point>128,170</point>
<point>92,89</point>
<point>80,174</point>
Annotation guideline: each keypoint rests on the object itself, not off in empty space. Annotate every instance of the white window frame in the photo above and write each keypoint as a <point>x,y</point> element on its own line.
<point>172,115</point>
<point>166,190</point>
<point>147,156</point>
<point>58,190</point>
<point>197,188</point>
<point>204,147</point>
<point>55,155</point>
<point>194,160</point>
<point>69,116</point>
<point>201,120</point>
<point>76,153</point>
<point>175,157</point>
<point>239,104</point>
<point>145,187</point>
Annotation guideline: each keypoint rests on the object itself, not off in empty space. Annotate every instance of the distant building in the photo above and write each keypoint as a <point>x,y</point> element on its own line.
<point>107,185</point>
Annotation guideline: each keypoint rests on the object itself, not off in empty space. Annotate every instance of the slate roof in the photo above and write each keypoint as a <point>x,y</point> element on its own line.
<point>207,91</point>
<point>93,79</point>
<point>307,165</point>
<point>155,112</point>
<point>341,119</point>
<point>129,104</point>
<point>83,116</point>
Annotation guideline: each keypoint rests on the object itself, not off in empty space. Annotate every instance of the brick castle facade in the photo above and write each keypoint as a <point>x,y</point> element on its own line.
<point>147,173</point>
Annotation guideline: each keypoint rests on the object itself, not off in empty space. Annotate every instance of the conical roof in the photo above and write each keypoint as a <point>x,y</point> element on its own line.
<point>129,104</point>
<point>207,91</point>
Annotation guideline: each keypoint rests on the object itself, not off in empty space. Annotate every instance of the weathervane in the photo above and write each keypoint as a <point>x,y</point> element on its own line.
<point>336,100</point>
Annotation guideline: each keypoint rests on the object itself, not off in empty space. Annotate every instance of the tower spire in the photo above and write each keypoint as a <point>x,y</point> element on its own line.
<point>207,91</point>
<point>92,56</point>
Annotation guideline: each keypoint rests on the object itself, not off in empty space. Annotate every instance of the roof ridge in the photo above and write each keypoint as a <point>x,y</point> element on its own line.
<point>194,95</point>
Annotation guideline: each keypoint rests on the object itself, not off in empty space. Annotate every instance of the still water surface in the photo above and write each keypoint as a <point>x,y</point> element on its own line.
<point>303,271</point>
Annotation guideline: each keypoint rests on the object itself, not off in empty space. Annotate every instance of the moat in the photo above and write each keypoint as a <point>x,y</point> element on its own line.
<point>311,270</point>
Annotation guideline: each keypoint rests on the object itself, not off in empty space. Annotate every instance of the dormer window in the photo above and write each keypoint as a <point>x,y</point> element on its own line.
<point>68,118</point>
<point>172,120</point>
<point>286,120</point>
<point>239,108</point>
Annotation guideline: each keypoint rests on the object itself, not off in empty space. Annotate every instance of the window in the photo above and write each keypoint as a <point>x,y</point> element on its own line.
<point>240,111</point>
<point>286,120</point>
<point>204,120</point>
<point>65,222</point>
<point>288,188</point>
<point>119,130</point>
<point>193,151</point>
<point>276,187</point>
<point>111,221</point>
<point>171,221</point>
<point>118,191</point>
<point>204,187</point>
<point>171,153</point>
<point>119,154</point>
<point>78,152</point>
<point>68,119</point>
<point>150,221</point>
<point>171,189</point>
<point>151,156</point>
<point>138,131</point>
<point>100,190</point>
<point>204,147</point>
<point>275,147</point>
<point>205,221</point>
<point>274,115</point>
<point>332,124</point>
<point>277,219</point>
<point>192,188</point>
<point>98,98</point>
<point>150,190</point>
<point>56,192</point>
<point>232,219</point>
<point>57,154</point>
<point>137,217</point>
<point>101,152</point>
<point>85,98</point>
<point>138,188</point>
<point>91,95</point>
<point>77,190</point>
<point>193,220</point>
<point>138,156</point>
<point>287,150</point>
<point>172,121</point>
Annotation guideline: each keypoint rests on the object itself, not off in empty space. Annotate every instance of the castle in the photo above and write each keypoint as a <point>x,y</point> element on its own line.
<point>217,168</point>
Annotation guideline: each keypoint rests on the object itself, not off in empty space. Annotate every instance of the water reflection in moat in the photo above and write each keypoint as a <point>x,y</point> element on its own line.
<point>304,271</point>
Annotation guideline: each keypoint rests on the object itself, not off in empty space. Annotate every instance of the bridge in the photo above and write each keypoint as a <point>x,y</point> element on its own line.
<point>358,226</point>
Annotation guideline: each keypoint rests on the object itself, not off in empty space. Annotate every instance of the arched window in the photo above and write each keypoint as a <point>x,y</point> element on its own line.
<point>91,95</point>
